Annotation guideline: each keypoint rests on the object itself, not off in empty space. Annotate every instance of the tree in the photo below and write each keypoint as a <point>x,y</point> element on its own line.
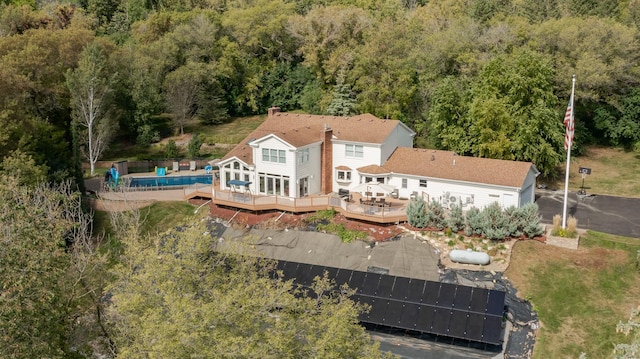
<point>193,148</point>
<point>90,87</point>
<point>182,88</point>
<point>343,102</point>
<point>175,297</point>
<point>43,276</point>
<point>417,213</point>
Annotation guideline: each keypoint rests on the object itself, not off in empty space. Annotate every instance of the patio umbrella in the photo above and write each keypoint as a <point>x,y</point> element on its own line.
<point>373,187</point>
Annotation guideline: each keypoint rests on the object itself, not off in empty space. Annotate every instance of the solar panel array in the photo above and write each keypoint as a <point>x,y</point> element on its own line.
<point>445,309</point>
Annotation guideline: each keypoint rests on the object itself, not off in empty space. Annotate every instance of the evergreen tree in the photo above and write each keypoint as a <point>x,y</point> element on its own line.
<point>417,213</point>
<point>343,102</point>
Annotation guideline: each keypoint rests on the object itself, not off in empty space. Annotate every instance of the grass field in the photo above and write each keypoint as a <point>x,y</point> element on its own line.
<point>613,172</point>
<point>580,295</point>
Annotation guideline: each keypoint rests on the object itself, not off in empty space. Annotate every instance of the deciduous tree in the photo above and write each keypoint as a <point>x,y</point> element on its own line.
<point>90,87</point>
<point>175,297</point>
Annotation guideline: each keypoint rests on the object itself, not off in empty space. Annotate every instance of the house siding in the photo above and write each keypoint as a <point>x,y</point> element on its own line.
<point>468,194</point>
<point>371,155</point>
<point>401,136</point>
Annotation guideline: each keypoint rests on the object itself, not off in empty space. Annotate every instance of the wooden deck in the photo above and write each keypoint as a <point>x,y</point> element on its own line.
<point>393,212</point>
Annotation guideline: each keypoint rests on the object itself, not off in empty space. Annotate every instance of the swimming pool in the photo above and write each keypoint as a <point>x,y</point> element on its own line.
<point>172,181</point>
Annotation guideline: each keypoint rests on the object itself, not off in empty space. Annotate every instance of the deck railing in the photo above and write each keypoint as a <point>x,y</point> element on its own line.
<point>393,212</point>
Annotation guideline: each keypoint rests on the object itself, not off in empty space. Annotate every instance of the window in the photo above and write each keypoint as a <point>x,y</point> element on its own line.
<point>423,183</point>
<point>404,183</point>
<point>344,176</point>
<point>303,156</point>
<point>272,155</point>
<point>354,151</point>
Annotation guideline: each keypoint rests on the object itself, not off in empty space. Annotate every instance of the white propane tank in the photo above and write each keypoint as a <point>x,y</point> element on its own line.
<point>469,257</point>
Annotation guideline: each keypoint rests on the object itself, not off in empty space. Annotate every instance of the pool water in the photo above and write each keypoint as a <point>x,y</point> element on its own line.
<point>173,181</point>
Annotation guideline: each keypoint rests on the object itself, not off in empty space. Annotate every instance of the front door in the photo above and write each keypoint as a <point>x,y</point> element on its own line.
<point>303,191</point>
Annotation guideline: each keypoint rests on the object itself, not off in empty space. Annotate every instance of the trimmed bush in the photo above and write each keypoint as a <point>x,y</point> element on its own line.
<point>416,213</point>
<point>171,149</point>
<point>455,221</point>
<point>474,222</point>
<point>435,215</point>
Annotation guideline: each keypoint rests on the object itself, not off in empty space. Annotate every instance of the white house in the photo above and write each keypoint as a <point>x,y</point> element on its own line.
<point>299,155</point>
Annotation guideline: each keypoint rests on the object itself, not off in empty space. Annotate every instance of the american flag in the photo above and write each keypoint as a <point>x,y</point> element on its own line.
<point>568,122</point>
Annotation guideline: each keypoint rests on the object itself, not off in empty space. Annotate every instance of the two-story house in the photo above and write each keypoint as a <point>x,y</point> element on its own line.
<point>299,155</point>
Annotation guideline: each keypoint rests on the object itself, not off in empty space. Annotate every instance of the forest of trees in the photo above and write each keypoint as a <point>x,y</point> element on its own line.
<point>483,78</point>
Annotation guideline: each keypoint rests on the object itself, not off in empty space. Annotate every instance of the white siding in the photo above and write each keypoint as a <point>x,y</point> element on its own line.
<point>468,194</point>
<point>311,169</point>
<point>283,169</point>
<point>400,137</point>
<point>371,156</point>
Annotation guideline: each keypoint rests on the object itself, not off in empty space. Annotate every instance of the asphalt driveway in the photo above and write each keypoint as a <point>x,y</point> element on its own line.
<point>608,214</point>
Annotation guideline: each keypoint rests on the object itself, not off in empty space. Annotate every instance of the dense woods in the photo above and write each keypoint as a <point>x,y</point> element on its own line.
<point>482,78</point>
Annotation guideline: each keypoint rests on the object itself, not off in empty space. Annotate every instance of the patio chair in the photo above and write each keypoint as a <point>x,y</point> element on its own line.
<point>381,202</point>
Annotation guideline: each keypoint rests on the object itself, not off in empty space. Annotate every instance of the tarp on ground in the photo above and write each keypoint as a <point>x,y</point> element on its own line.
<point>403,257</point>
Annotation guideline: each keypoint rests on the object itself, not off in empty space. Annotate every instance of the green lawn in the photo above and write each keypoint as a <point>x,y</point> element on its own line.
<point>580,295</point>
<point>613,172</point>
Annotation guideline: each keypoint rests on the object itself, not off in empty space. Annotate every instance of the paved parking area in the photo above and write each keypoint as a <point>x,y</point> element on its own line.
<point>608,214</point>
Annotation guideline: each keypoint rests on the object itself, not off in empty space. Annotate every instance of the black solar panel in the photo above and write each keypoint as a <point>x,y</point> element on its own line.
<point>495,305</point>
<point>409,316</point>
<point>492,331</point>
<point>416,290</point>
<point>357,278</point>
<point>370,285</point>
<point>365,317</point>
<point>462,298</point>
<point>432,308</point>
<point>316,271</point>
<point>479,298</point>
<point>458,324</point>
<point>378,311</point>
<point>447,294</point>
<point>441,321</point>
<point>475,326</point>
<point>425,318</point>
<point>290,270</point>
<point>400,288</point>
<point>394,313</point>
<point>302,274</point>
<point>343,277</point>
<point>386,286</point>
<point>431,293</point>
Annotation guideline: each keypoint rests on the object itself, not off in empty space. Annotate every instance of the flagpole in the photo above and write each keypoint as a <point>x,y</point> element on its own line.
<point>566,179</point>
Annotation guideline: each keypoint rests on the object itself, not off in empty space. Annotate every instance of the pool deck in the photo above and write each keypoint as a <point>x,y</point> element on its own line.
<point>95,185</point>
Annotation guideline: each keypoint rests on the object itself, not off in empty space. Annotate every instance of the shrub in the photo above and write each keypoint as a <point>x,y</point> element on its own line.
<point>524,221</point>
<point>474,222</point>
<point>435,215</point>
<point>346,235</point>
<point>194,146</point>
<point>325,215</point>
<point>568,232</point>
<point>147,135</point>
<point>416,213</point>
<point>171,149</point>
<point>456,218</point>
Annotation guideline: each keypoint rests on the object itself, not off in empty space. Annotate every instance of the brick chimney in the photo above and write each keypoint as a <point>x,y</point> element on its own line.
<point>326,161</point>
<point>273,110</point>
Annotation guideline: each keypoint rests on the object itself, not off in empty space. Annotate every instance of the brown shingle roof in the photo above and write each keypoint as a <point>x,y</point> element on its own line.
<point>448,165</point>
<point>301,129</point>
<point>373,170</point>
